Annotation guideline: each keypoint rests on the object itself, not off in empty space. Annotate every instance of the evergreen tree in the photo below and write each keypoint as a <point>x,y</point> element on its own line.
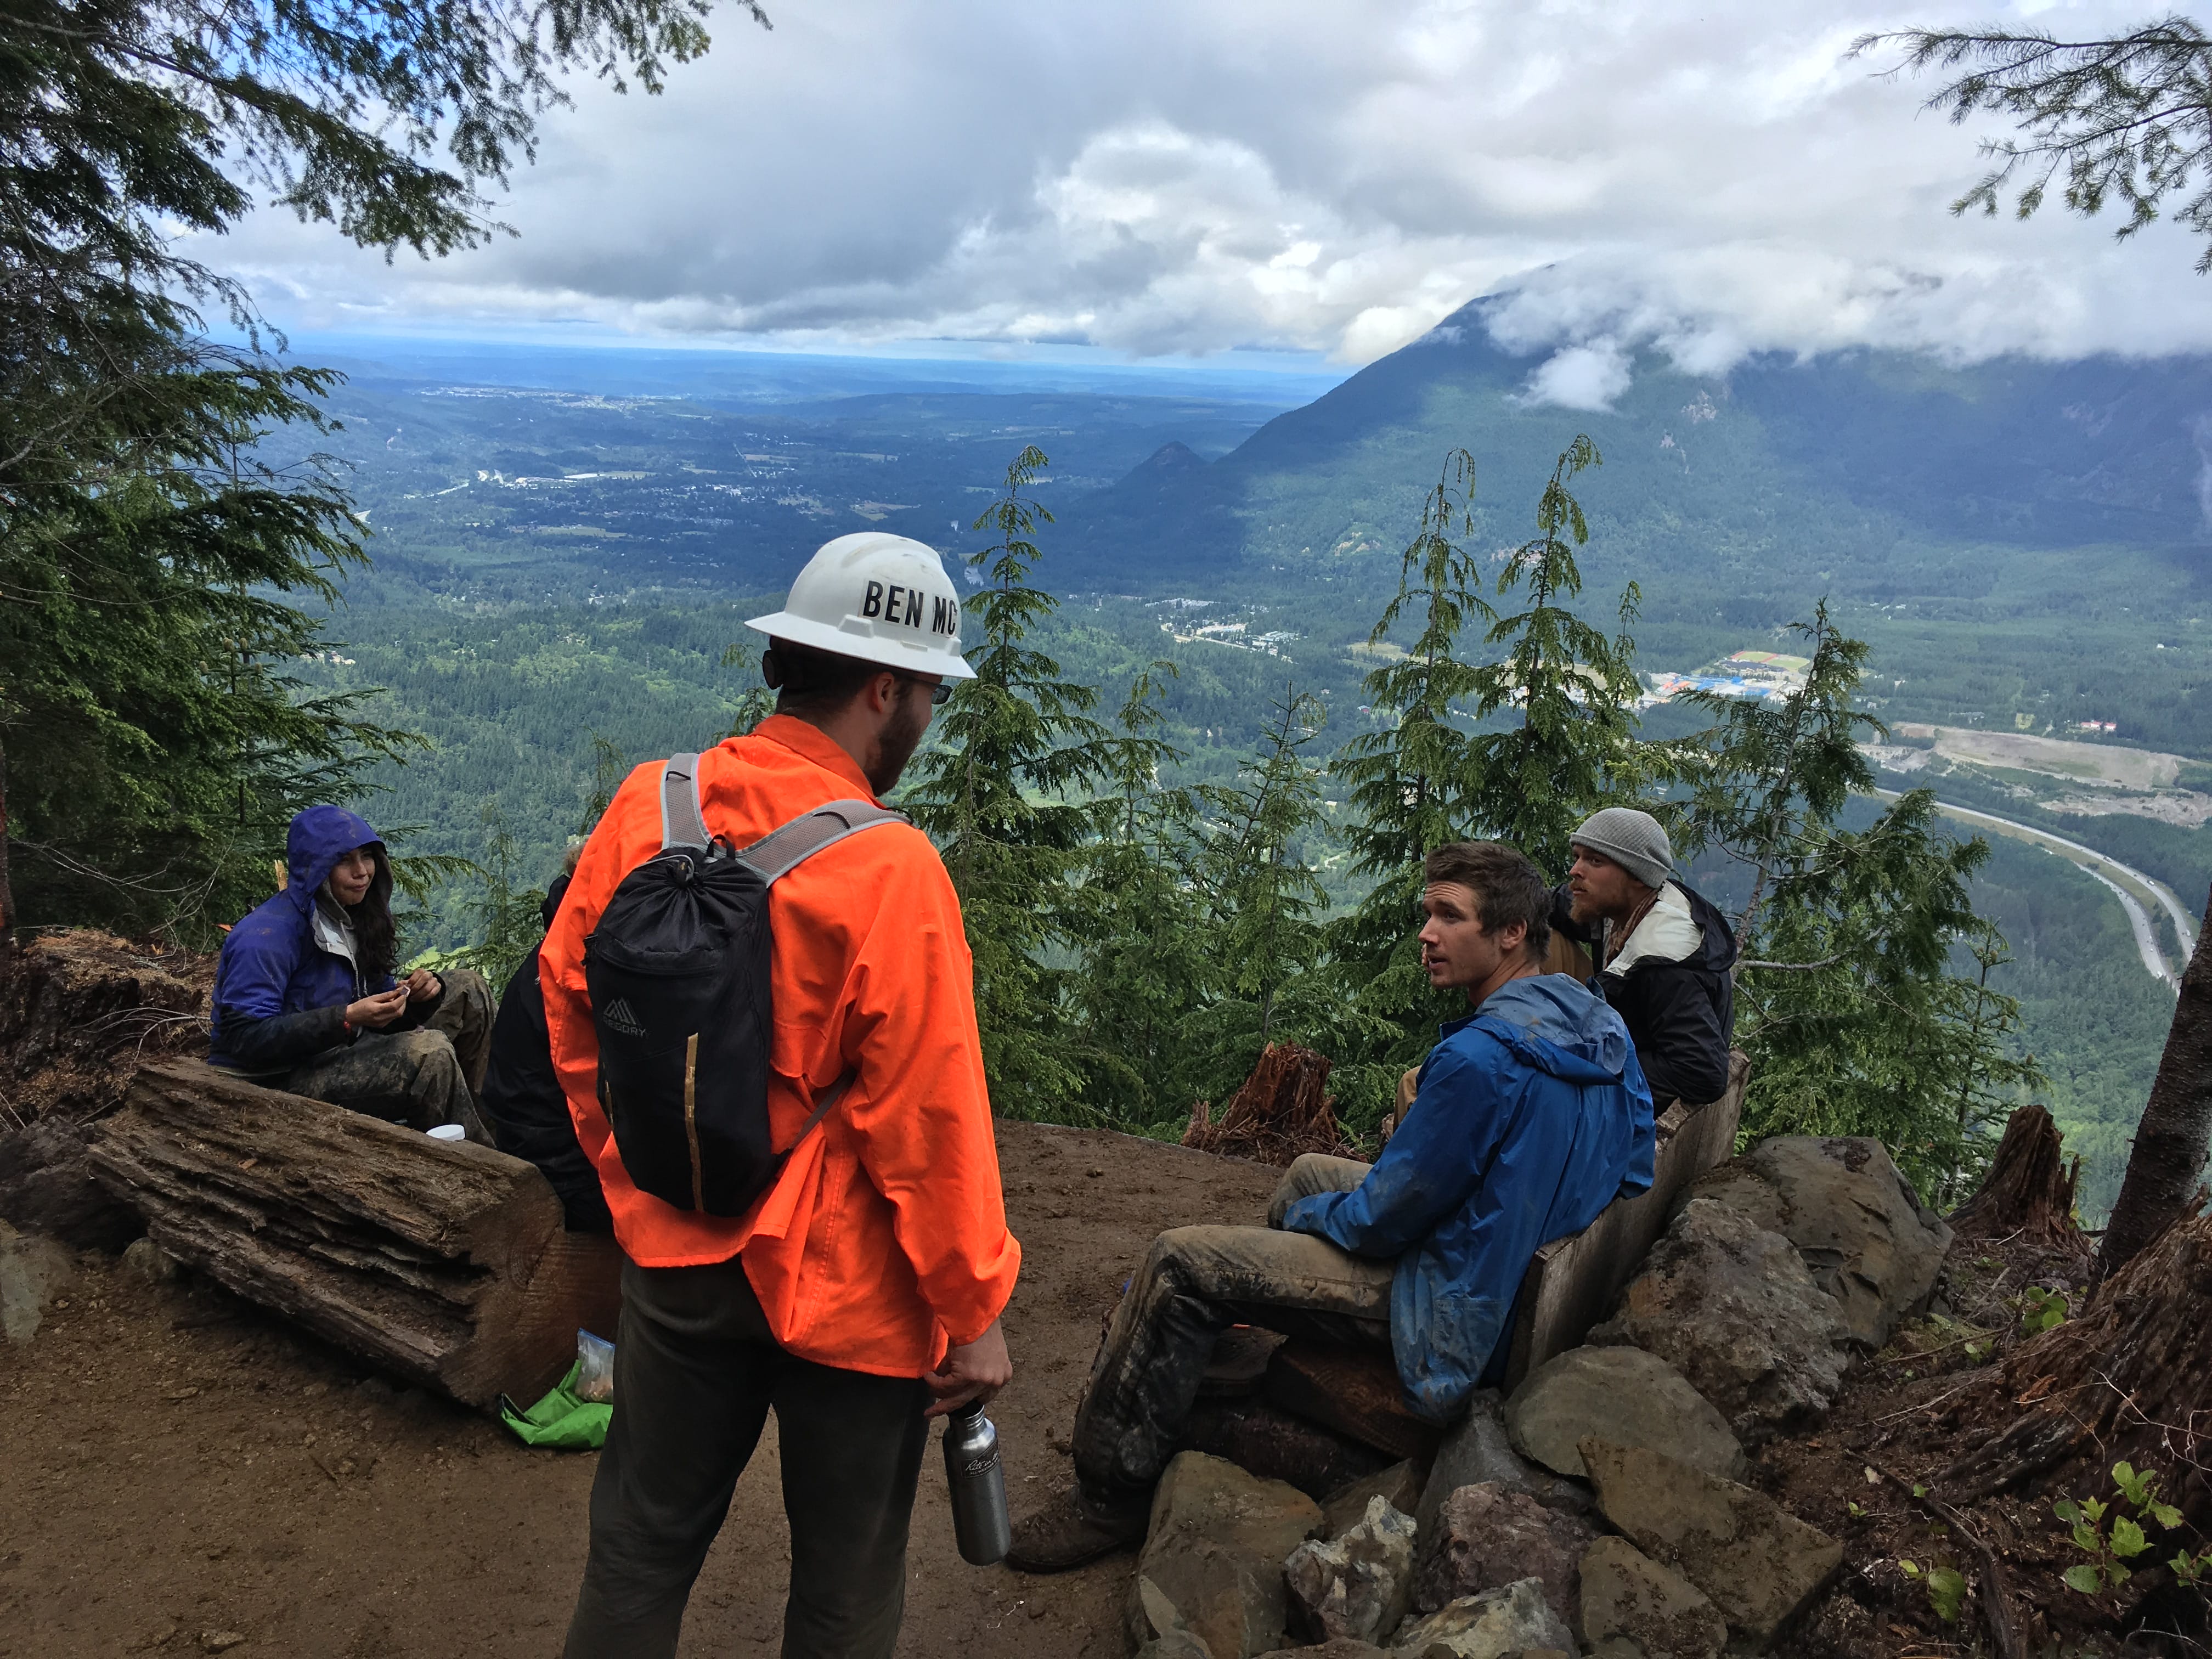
<point>2123,119</point>
<point>1775,768</point>
<point>1410,788</point>
<point>1262,902</point>
<point>1850,1001</point>
<point>1006,795</point>
<point>507,919</point>
<point>151,745</point>
<point>1148,954</point>
<point>1574,748</point>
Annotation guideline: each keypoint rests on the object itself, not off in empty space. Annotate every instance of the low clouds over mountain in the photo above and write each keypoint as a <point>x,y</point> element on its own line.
<point>1171,177</point>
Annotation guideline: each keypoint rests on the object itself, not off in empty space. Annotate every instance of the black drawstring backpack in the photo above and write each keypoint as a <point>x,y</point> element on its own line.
<point>678,975</point>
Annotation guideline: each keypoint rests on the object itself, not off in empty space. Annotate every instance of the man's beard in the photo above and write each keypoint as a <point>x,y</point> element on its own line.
<point>900,739</point>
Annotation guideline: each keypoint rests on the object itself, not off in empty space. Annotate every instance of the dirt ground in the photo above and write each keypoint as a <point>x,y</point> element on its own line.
<point>181,1474</point>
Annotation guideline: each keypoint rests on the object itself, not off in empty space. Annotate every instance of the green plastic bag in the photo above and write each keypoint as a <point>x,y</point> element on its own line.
<point>560,1420</point>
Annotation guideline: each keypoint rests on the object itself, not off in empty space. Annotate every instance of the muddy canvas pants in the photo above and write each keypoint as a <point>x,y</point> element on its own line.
<point>1195,1283</point>
<point>695,1371</point>
<point>421,1078</point>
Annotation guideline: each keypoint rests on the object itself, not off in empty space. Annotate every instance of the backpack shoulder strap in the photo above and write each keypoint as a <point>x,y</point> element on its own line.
<point>778,854</point>
<point>682,824</point>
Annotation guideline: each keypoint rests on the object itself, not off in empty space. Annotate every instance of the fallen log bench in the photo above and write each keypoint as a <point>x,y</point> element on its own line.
<point>441,1262</point>
<point>1571,1284</point>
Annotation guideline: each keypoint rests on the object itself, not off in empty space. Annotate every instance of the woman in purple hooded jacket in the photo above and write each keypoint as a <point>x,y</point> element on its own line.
<point>306,1000</point>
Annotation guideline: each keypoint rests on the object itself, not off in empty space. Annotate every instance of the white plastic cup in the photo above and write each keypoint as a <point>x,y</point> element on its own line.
<point>448,1132</point>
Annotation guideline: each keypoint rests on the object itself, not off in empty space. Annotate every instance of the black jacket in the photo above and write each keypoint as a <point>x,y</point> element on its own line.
<point>1681,1013</point>
<point>522,1100</point>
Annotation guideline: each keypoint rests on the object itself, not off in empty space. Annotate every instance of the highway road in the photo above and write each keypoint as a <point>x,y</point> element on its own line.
<point>2139,894</point>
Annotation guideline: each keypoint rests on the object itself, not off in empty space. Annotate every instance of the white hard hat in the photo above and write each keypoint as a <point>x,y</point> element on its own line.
<point>878,597</point>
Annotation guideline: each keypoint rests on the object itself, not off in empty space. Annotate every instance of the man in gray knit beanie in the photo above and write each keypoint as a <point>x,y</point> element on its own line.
<point>1662,951</point>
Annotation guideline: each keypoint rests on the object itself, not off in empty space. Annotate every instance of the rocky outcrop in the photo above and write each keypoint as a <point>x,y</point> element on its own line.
<point>1760,1565</point>
<point>1626,1594</point>
<point>1487,1536</point>
<point>1213,1555</point>
<point>1477,1450</point>
<point>1732,1307</point>
<point>34,1271</point>
<point>1357,1586</point>
<point>1624,1396</point>
<point>1861,1231</point>
<point>1497,1623</point>
<point>1400,1486</point>
<point>47,1185</point>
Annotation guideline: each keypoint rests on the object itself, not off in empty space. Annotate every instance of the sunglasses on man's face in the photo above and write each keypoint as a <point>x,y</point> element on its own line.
<point>940,692</point>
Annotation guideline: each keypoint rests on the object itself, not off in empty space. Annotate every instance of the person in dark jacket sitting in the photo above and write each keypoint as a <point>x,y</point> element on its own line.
<point>304,999</point>
<point>522,1100</point>
<point>1662,951</point>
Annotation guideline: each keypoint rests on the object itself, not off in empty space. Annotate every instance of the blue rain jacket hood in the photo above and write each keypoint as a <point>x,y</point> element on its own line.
<point>271,963</point>
<point>1532,1116</point>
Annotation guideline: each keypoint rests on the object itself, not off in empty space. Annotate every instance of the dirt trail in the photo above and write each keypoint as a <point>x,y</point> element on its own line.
<point>178,1467</point>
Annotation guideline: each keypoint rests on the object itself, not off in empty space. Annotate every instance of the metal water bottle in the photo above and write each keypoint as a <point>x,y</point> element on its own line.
<point>979,1487</point>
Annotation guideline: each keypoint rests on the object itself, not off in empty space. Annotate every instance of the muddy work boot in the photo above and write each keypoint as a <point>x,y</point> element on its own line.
<point>1068,1533</point>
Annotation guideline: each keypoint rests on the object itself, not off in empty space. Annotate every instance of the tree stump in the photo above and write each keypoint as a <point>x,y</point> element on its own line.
<point>1284,1109</point>
<point>440,1262</point>
<point>2029,1188</point>
<point>2130,1378</point>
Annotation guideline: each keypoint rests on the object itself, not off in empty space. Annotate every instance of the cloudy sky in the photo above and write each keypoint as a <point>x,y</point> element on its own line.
<point>1166,177</point>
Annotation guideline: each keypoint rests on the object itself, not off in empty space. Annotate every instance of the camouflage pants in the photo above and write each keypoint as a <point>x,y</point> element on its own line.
<point>421,1078</point>
<point>1195,1283</point>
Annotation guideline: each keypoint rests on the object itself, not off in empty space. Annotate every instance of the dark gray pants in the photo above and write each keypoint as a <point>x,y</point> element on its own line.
<point>421,1078</point>
<point>695,1371</point>
<point>1195,1283</point>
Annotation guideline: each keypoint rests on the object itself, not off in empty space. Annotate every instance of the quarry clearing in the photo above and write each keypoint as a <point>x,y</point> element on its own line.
<point>183,1470</point>
<point>2110,763</point>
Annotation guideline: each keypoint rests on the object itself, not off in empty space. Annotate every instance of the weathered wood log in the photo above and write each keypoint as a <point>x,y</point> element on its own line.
<point>442,1262</point>
<point>1354,1391</point>
<point>1284,1109</point>
<point>2029,1188</point>
<point>1574,1282</point>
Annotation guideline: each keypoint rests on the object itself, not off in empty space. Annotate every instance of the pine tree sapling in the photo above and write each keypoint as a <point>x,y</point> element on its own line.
<point>1574,748</point>
<point>1409,788</point>
<point>1006,794</point>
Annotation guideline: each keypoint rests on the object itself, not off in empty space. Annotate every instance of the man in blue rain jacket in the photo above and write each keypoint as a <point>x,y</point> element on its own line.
<point>1532,1115</point>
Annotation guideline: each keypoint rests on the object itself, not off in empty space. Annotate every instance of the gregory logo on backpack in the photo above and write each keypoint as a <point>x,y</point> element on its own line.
<point>685,939</point>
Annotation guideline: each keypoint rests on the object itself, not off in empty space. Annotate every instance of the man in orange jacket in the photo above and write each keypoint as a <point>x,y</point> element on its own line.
<point>871,1275</point>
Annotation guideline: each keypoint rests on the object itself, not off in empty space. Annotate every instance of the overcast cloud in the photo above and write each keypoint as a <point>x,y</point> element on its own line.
<point>1187,176</point>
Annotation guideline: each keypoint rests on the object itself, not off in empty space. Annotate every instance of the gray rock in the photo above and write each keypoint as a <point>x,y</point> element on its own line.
<point>1400,1484</point>
<point>1487,1536</point>
<point>1332,1650</point>
<point>1214,1552</point>
<point>1356,1587</point>
<point>145,1259</point>
<point>1625,1593</point>
<point>1492,1625</point>
<point>46,1186</point>
<point>1477,1450</point>
<point>34,1271</point>
<point>1760,1565</point>
<point>1171,1638</point>
<point>1862,1232</point>
<point>1732,1307</point>
<point>1624,1396</point>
